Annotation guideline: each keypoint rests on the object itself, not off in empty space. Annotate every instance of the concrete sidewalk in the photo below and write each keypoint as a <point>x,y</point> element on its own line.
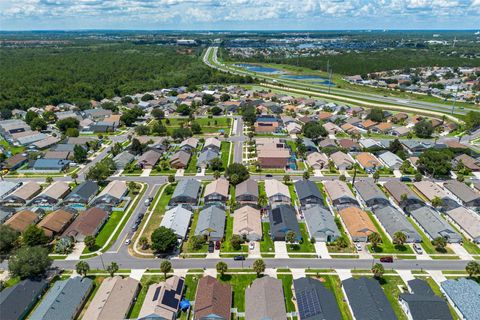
<point>322,250</point>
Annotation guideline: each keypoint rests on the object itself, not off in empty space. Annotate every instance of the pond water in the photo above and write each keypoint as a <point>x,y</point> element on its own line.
<point>310,78</point>
<point>258,68</point>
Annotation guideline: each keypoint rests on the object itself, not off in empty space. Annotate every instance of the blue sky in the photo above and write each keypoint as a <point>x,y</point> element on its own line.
<point>239,14</point>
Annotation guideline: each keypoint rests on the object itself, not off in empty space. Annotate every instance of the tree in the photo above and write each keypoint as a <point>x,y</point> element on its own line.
<point>472,120</point>
<point>195,243</point>
<point>395,146</point>
<point>181,134</point>
<point>30,116</point>
<point>249,114</point>
<point>376,176</point>
<point>72,132</point>
<point>262,200</point>
<point>67,123</point>
<point>314,130</point>
<point>399,238</point>
<point>90,242</point>
<point>259,266</point>
<point>102,170</point>
<point>376,114</point>
<point>79,154</point>
<point>38,124</point>
<point>133,187</point>
<point>29,262</point>
<point>64,245</point>
<point>216,111</point>
<point>440,243</point>
<point>436,162</point>
<point>143,242</point>
<point>437,202</point>
<point>137,147</point>
<point>183,110</point>
<point>74,176</point>
<point>165,267</point>
<point>418,177</point>
<point>236,242</point>
<point>157,128</point>
<point>147,97</point>
<point>342,242</point>
<point>290,237</point>
<point>472,268</point>
<point>342,177</point>
<point>142,130</point>
<point>8,239</point>
<point>112,268</point>
<point>286,179</point>
<point>236,173</point>
<point>82,268</point>
<point>222,267</point>
<point>158,114</point>
<point>374,238</point>
<point>34,236</point>
<point>378,270</point>
<point>131,115</point>
<point>116,149</point>
<point>171,178</point>
<point>423,129</point>
<point>216,174</point>
<point>216,164</point>
<point>207,99</point>
<point>49,180</point>
<point>306,175</point>
<point>126,100</point>
<point>163,240</point>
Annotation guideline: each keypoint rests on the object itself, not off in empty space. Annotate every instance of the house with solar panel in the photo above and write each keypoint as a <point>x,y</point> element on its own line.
<point>314,301</point>
<point>282,220</point>
<point>163,299</point>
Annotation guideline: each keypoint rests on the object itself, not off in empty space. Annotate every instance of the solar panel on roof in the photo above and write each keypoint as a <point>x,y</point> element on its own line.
<point>308,304</point>
<point>179,286</point>
<point>157,293</point>
<point>277,217</point>
<point>170,300</point>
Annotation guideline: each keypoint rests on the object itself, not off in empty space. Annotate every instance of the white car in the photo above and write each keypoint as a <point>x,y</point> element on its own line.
<point>128,241</point>
<point>358,246</point>
<point>251,246</point>
<point>418,249</point>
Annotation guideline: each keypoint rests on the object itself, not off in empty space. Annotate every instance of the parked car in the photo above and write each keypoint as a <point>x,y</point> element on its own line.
<point>406,179</point>
<point>211,247</point>
<point>251,246</point>
<point>217,245</point>
<point>268,176</point>
<point>358,246</point>
<point>239,258</point>
<point>386,259</point>
<point>418,249</point>
<point>128,241</point>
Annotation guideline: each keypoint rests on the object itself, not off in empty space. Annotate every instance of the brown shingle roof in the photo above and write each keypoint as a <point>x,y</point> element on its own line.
<point>87,223</point>
<point>27,191</point>
<point>21,220</point>
<point>15,160</point>
<point>212,297</point>
<point>55,222</point>
<point>357,222</point>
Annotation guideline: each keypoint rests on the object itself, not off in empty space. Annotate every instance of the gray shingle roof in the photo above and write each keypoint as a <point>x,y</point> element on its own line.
<point>321,224</point>
<point>211,222</point>
<point>393,221</point>
<point>465,294</point>
<point>187,188</point>
<point>84,191</point>
<point>264,300</point>
<point>306,189</point>
<point>367,299</point>
<point>315,301</point>
<point>63,300</point>
<point>370,192</point>
<point>206,156</point>
<point>123,159</point>
<point>283,219</point>
<point>16,301</point>
<point>177,219</point>
<point>434,225</point>
<point>462,191</point>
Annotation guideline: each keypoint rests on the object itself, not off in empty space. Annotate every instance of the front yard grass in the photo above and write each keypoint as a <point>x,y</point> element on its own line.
<point>239,283</point>
<point>391,287</point>
<point>293,194</point>
<point>305,246</point>
<point>185,248</point>
<point>287,282</point>
<point>426,243</point>
<point>226,245</point>
<point>266,245</point>
<point>386,246</point>
<point>334,284</point>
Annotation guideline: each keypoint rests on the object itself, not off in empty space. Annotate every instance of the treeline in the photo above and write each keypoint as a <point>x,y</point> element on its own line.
<point>76,74</point>
<point>353,63</point>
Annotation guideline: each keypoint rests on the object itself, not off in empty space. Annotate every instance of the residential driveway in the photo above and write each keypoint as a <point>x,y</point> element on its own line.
<point>201,173</point>
<point>146,173</point>
<point>137,274</point>
<point>280,249</point>
<point>344,274</point>
<point>397,173</point>
<point>406,275</point>
<point>77,251</point>
<point>255,253</point>
<point>179,173</point>
<point>364,254</point>
<point>321,250</point>
<point>460,250</point>
<point>317,173</point>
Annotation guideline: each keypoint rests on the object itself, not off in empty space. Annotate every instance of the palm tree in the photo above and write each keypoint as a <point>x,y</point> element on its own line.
<point>262,200</point>
<point>259,266</point>
<point>222,267</point>
<point>437,202</point>
<point>399,238</point>
<point>472,268</point>
<point>306,175</point>
<point>440,243</point>
<point>82,268</point>
<point>286,178</point>
<point>112,268</point>
<point>378,270</point>
<point>374,238</point>
<point>165,267</point>
<point>74,176</point>
<point>376,176</point>
<point>49,180</point>
<point>216,174</point>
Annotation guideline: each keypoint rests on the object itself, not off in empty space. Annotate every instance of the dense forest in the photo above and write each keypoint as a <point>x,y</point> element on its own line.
<point>36,76</point>
<point>351,63</point>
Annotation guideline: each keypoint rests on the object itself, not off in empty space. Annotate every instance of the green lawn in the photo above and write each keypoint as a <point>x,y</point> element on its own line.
<point>306,245</point>
<point>239,283</point>
<point>426,243</point>
<point>145,282</point>
<point>322,191</point>
<point>191,282</point>
<point>8,147</point>
<point>106,230</point>
<point>293,194</point>
<point>390,285</point>
<point>334,284</point>
<point>266,245</point>
<point>336,249</point>
<point>185,248</point>
<point>386,246</point>
<point>208,125</point>
<point>225,153</point>
<point>287,281</point>
<point>192,164</point>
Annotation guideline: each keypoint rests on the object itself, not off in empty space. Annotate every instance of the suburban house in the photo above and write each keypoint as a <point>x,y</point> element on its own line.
<point>21,195</point>
<point>64,300</point>
<point>308,193</point>
<point>264,299</point>
<point>205,157</point>
<point>6,187</point>
<point>317,160</point>
<point>391,160</point>
<point>468,161</point>
<point>186,192</point>
<point>56,222</point>
<point>358,223</point>
<point>189,144</point>
<point>328,143</point>
<point>123,159</point>
<point>87,223</point>
<point>403,195</point>
<point>211,223</point>
<point>177,219</point>
<point>180,159</point>
<point>321,224</point>
<point>266,124</point>
<point>50,165</point>
<point>59,155</point>
<point>332,128</point>
<point>247,223</point>
<point>310,146</point>
<point>422,303</point>
<point>394,221</point>
<point>368,162</point>
<point>314,300</point>
<point>293,128</point>
<point>276,191</point>
<point>17,301</point>
<point>272,157</point>
<point>111,195</point>
<point>367,300</point>
<point>400,131</point>
<point>434,226</point>
<point>468,196</point>
<point>216,192</point>
<point>149,159</point>
<point>349,144</point>
<point>464,295</point>
<point>431,190</point>
<point>246,192</point>
<point>51,195</point>
<point>283,219</point>
<point>382,127</point>
<point>370,193</point>
<point>162,300</point>
<point>113,299</point>
<point>212,144</point>
<point>82,194</point>
<point>15,162</point>
<point>342,160</point>
<point>340,194</point>
<point>22,219</point>
<point>213,299</point>
<point>467,221</point>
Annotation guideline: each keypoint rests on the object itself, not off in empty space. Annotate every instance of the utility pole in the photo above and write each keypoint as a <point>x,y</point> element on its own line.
<point>454,100</point>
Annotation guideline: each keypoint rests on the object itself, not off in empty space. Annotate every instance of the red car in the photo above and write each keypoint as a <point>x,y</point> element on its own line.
<point>386,259</point>
<point>217,245</point>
